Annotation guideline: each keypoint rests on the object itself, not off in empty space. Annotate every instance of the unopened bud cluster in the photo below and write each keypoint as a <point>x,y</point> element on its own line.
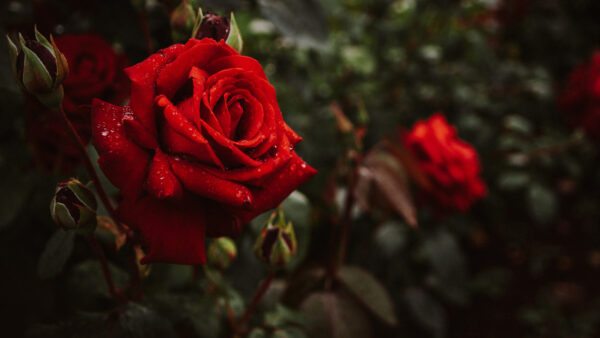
<point>276,244</point>
<point>73,207</point>
<point>40,68</point>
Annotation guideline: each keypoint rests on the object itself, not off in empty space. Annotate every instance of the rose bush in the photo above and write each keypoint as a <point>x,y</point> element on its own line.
<point>580,99</point>
<point>95,71</point>
<point>200,150</point>
<point>450,164</point>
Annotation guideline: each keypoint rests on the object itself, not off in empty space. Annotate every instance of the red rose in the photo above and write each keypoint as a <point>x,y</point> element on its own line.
<point>95,71</point>
<point>201,149</point>
<point>450,164</point>
<point>580,98</point>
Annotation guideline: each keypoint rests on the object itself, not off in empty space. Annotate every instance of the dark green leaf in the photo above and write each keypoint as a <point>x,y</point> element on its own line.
<point>55,255</point>
<point>427,311</point>
<point>369,292</point>
<point>331,315</point>
<point>542,203</point>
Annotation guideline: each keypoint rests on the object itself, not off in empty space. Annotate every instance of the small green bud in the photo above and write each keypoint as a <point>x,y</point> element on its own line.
<point>39,67</point>
<point>182,20</point>
<point>73,207</point>
<point>221,253</point>
<point>276,244</point>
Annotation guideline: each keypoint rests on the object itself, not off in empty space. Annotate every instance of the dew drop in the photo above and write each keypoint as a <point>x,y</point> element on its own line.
<point>104,133</point>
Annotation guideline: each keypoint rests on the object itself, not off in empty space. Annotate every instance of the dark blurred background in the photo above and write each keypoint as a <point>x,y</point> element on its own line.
<point>524,262</point>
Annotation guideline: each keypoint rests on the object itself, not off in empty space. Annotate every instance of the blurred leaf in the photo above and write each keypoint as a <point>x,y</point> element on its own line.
<point>56,253</point>
<point>18,186</point>
<point>331,315</point>
<point>297,210</point>
<point>87,287</point>
<point>513,180</point>
<point>131,321</point>
<point>139,321</point>
<point>427,311</point>
<point>390,238</point>
<point>191,313</point>
<point>381,175</point>
<point>542,203</point>
<point>369,292</point>
<point>448,264</point>
<point>282,316</point>
<point>301,21</point>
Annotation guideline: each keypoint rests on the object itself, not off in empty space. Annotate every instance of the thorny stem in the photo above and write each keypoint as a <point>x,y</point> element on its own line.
<point>105,270</point>
<point>258,295</point>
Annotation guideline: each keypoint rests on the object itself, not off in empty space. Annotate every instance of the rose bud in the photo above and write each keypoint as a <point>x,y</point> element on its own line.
<point>218,28</point>
<point>39,67</point>
<point>221,253</point>
<point>183,19</point>
<point>73,207</point>
<point>276,245</point>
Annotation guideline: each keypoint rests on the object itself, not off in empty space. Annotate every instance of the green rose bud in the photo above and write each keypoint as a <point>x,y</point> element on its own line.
<point>73,207</point>
<point>277,244</point>
<point>183,19</point>
<point>221,253</point>
<point>39,67</point>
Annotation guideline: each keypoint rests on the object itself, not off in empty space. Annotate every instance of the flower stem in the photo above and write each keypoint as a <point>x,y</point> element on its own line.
<point>105,270</point>
<point>146,31</point>
<point>258,295</point>
<point>89,167</point>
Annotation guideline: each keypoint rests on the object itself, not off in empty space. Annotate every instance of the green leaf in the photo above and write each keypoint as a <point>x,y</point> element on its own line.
<point>300,21</point>
<point>331,315</point>
<point>428,312</point>
<point>448,265</point>
<point>297,210</point>
<point>235,36</point>
<point>369,292</point>
<point>55,255</point>
<point>542,203</point>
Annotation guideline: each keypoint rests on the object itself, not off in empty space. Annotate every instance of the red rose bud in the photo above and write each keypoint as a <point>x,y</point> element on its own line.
<point>39,67</point>
<point>450,164</point>
<point>183,19</point>
<point>73,207</point>
<point>213,26</point>
<point>218,28</point>
<point>221,253</point>
<point>276,245</point>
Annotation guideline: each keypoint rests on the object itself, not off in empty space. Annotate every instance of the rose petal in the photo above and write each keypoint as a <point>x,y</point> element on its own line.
<point>221,221</point>
<point>138,133</point>
<point>201,182</point>
<point>162,182</point>
<point>278,187</point>
<point>176,143</point>
<point>236,61</point>
<point>228,152</point>
<point>174,74</point>
<point>143,76</point>
<point>172,233</point>
<point>122,161</point>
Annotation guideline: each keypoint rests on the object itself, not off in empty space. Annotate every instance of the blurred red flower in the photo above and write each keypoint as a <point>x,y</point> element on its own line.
<point>580,98</point>
<point>451,165</point>
<point>95,70</point>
